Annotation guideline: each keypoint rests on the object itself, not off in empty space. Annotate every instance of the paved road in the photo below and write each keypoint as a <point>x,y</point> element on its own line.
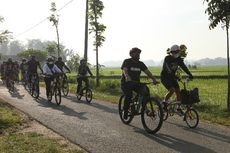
<point>97,127</point>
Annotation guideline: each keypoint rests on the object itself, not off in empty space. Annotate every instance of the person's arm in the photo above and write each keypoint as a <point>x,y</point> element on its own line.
<point>91,74</point>
<point>185,69</point>
<point>126,74</point>
<point>56,69</point>
<point>150,75</point>
<point>66,67</point>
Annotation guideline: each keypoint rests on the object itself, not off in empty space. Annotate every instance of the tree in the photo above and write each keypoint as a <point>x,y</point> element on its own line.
<point>40,55</point>
<point>55,19</point>
<point>219,12</point>
<point>15,47</point>
<point>73,62</point>
<point>95,12</point>
<point>5,35</point>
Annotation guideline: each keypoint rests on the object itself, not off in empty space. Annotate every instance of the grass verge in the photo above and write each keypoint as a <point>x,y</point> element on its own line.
<point>15,136</point>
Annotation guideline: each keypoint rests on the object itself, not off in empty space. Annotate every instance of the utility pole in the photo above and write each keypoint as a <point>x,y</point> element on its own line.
<point>86,32</point>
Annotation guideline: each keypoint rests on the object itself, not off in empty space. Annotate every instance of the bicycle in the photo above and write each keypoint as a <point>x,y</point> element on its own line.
<point>148,107</point>
<point>34,86</point>
<point>65,84</point>
<point>185,107</point>
<point>55,90</point>
<point>85,91</point>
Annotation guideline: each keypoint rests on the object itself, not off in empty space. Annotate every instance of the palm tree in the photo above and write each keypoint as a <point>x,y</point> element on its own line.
<point>95,12</point>
<point>219,12</point>
<point>54,18</point>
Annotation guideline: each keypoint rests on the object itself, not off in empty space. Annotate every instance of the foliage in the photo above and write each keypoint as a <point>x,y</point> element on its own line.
<point>218,11</point>
<point>54,18</point>
<point>95,12</point>
<point>40,55</point>
<point>73,62</point>
<point>5,35</point>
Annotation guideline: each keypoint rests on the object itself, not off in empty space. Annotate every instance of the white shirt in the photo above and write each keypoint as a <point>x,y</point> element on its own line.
<point>47,70</point>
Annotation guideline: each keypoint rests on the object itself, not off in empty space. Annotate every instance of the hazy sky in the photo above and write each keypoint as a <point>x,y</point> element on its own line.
<point>151,25</point>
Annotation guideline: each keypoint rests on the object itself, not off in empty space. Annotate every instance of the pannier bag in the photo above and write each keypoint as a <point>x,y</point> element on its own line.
<point>190,96</point>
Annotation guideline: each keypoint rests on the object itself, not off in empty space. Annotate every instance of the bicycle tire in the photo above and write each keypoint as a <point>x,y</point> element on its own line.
<point>152,112</point>
<point>88,95</point>
<point>191,118</point>
<point>121,111</point>
<point>58,96</point>
<point>35,91</point>
<point>49,97</point>
<point>65,88</point>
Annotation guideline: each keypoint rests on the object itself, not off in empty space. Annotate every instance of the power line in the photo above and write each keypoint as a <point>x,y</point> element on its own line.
<point>43,20</point>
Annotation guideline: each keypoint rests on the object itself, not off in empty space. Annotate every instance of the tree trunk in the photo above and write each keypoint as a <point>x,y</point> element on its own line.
<point>58,44</point>
<point>228,96</point>
<point>86,31</point>
<point>96,43</point>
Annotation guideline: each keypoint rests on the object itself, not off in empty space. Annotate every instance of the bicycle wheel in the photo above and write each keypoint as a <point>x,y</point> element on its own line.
<point>65,87</point>
<point>152,116</point>
<point>35,91</point>
<point>49,97</point>
<point>191,118</point>
<point>121,111</point>
<point>88,95</point>
<point>58,96</point>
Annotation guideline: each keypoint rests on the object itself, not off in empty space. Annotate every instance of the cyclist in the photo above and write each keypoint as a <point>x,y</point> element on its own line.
<point>50,69</point>
<point>83,70</point>
<point>16,68</point>
<point>131,71</point>
<point>9,71</point>
<point>60,64</point>
<point>23,68</point>
<point>33,65</point>
<point>2,71</point>
<point>169,79</point>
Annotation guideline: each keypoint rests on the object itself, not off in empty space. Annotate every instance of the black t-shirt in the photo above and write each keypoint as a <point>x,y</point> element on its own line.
<point>170,66</point>
<point>60,64</point>
<point>134,69</point>
<point>33,66</point>
<point>83,70</point>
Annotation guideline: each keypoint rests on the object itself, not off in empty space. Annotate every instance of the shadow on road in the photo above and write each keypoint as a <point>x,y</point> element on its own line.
<point>66,110</point>
<point>205,132</point>
<point>93,104</point>
<point>16,94</point>
<point>176,144</point>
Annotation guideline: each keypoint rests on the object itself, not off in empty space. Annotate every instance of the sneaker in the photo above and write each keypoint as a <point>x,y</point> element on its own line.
<point>125,115</point>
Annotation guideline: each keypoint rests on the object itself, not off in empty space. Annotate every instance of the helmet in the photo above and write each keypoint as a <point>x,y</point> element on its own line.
<point>9,59</point>
<point>134,50</point>
<point>175,48</point>
<point>82,60</point>
<point>183,52</point>
<point>50,59</point>
<point>59,58</point>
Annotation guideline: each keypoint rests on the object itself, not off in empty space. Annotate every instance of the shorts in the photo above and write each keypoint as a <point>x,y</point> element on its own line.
<point>169,82</point>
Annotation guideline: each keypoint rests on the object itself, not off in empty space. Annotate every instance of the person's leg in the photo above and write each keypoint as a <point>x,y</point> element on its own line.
<point>126,88</point>
<point>169,94</point>
<point>79,84</point>
<point>48,85</point>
